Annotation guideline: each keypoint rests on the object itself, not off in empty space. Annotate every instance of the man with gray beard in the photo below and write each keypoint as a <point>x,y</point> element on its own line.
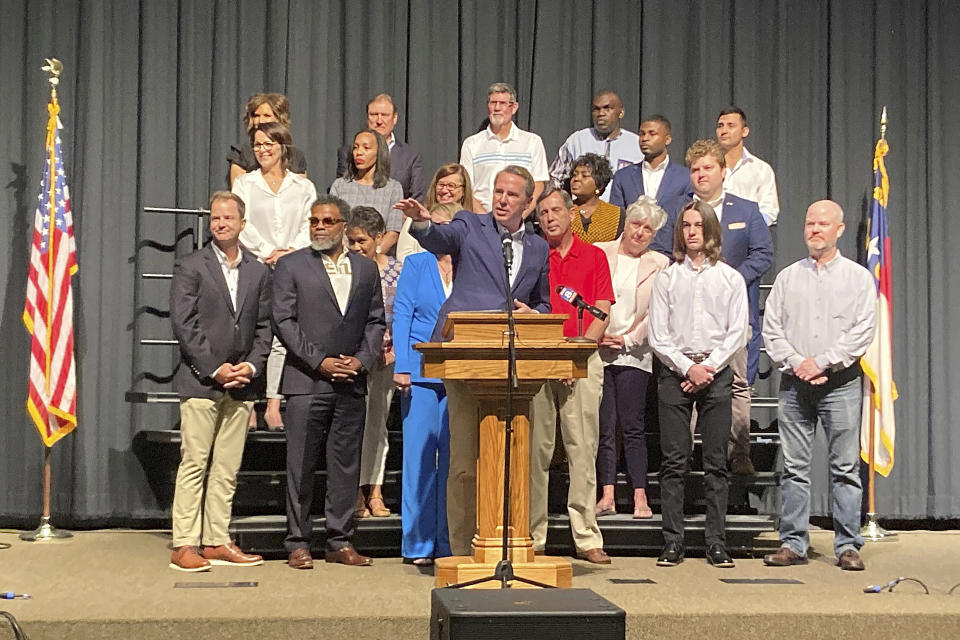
<point>328,312</point>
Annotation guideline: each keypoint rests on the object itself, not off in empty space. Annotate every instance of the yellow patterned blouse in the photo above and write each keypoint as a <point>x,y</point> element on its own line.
<point>604,225</point>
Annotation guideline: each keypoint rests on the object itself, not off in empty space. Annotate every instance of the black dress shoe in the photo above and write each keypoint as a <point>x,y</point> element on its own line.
<point>671,556</point>
<point>717,556</point>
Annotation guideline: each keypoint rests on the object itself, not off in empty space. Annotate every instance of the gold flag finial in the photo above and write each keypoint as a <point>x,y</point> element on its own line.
<point>883,123</point>
<point>54,67</point>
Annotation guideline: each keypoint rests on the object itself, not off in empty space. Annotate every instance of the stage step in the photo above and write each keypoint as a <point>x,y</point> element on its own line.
<point>261,483</point>
<point>622,535</point>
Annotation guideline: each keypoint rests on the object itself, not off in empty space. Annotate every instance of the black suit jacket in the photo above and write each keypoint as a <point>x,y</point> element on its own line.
<point>406,167</point>
<point>210,330</point>
<point>307,319</point>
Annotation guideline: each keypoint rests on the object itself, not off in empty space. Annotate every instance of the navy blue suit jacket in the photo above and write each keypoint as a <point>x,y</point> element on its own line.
<point>472,240</point>
<point>308,321</point>
<point>406,167</point>
<point>674,188</point>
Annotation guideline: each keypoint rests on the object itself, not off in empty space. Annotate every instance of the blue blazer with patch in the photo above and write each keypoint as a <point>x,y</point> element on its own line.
<point>473,242</point>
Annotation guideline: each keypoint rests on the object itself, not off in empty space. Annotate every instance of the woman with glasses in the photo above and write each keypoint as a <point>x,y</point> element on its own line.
<point>263,107</point>
<point>277,210</point>
<point>367,183</point>
<point>450,183</point>
<point>594,219</point>
<point>364,231</point>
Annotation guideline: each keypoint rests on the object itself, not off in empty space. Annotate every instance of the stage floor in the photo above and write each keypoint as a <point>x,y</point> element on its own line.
<point>116,584</point>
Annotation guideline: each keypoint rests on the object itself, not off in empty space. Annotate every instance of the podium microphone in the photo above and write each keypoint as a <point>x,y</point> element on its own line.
<point>574,298</point>
<point>507,250</point>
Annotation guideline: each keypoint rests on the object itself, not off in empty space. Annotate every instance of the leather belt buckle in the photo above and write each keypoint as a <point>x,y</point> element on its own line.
<point>697,357</point>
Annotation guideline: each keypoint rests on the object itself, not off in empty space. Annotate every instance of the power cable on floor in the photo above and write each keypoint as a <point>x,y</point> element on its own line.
<point>890,586</point>
<point>18,633</point>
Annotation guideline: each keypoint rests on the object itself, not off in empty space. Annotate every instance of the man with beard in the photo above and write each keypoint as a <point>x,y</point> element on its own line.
<point>328,312</point>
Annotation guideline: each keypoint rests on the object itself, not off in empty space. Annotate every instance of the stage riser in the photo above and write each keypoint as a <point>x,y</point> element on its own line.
<point>622,535</point>
<point>683,626</point>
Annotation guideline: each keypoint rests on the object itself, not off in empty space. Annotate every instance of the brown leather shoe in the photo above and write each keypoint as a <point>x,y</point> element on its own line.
<point>348,556</point>
<point>850,561</point>
<point>231,555</point>
<point>596,556</point>
<point>784,557</point>
<point>300,559</point>
<point>188,559</point>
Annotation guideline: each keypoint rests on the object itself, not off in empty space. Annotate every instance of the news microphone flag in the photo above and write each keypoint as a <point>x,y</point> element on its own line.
<point>48,311</point>
<point>879,390</point>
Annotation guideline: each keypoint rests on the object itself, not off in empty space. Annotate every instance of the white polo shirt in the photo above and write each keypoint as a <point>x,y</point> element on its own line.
<point>484,154</point>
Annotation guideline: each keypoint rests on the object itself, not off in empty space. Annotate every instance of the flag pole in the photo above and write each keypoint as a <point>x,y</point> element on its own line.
<point>46,531</point>
<point>871,530</point>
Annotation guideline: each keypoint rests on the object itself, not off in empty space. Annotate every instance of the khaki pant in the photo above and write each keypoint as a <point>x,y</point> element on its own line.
<point>579,410</point>
<point>739,445</point>
<point>464,419</point>
<point>373,454</point>
<point>212,435</point>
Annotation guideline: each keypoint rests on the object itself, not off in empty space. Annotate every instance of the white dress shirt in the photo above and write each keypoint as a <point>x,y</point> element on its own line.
<point>753,179</point>
<point>275,220</point>
<point>653,176</point>
<point>341,277</point>
<point>697,310</point>
<point>827,313</point>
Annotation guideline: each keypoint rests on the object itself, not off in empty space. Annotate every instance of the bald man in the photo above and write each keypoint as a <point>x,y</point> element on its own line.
<point>818,320</point>
<point>606,138</point>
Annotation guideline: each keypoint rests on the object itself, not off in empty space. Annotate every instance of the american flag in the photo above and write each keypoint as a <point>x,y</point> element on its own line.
<point>879,390</point>
<point>48,312</point>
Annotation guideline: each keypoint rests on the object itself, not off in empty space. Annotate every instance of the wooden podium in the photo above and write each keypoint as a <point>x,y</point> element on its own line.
<point>477,353</point>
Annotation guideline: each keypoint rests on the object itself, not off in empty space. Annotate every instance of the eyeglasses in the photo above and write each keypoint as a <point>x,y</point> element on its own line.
<point>500,103</point>
<point>264,145</point>
<point>449,186</point>
<point>325,222</point>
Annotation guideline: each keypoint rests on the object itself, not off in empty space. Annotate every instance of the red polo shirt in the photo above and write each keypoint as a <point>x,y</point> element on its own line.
<point>585,270</point>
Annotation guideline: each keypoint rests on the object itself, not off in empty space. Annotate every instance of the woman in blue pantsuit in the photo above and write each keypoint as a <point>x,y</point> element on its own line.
<point>424,285</point>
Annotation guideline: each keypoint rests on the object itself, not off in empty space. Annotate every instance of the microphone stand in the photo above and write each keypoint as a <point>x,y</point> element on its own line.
<point>503,573</point>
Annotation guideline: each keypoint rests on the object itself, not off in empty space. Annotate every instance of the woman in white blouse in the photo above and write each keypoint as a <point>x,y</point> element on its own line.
<point>278,209</point>
<point>626,355</point>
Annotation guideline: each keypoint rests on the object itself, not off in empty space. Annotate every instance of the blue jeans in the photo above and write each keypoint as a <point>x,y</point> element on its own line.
<point>838,409</point>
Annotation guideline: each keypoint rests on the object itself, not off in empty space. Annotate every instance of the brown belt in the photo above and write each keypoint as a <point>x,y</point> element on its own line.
<point>697,357</point>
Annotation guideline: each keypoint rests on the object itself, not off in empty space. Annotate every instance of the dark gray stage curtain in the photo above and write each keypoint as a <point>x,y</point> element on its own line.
<point>153,93</point>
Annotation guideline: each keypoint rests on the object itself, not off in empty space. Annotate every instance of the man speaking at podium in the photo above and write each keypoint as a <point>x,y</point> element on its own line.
<point>477,243</point>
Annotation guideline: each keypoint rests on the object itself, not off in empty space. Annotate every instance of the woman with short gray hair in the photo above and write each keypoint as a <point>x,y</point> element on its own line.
<point>626,355</point>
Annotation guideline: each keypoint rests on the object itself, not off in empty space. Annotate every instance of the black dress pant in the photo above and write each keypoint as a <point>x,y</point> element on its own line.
<point>338,417</point>
<point>714,415</point>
